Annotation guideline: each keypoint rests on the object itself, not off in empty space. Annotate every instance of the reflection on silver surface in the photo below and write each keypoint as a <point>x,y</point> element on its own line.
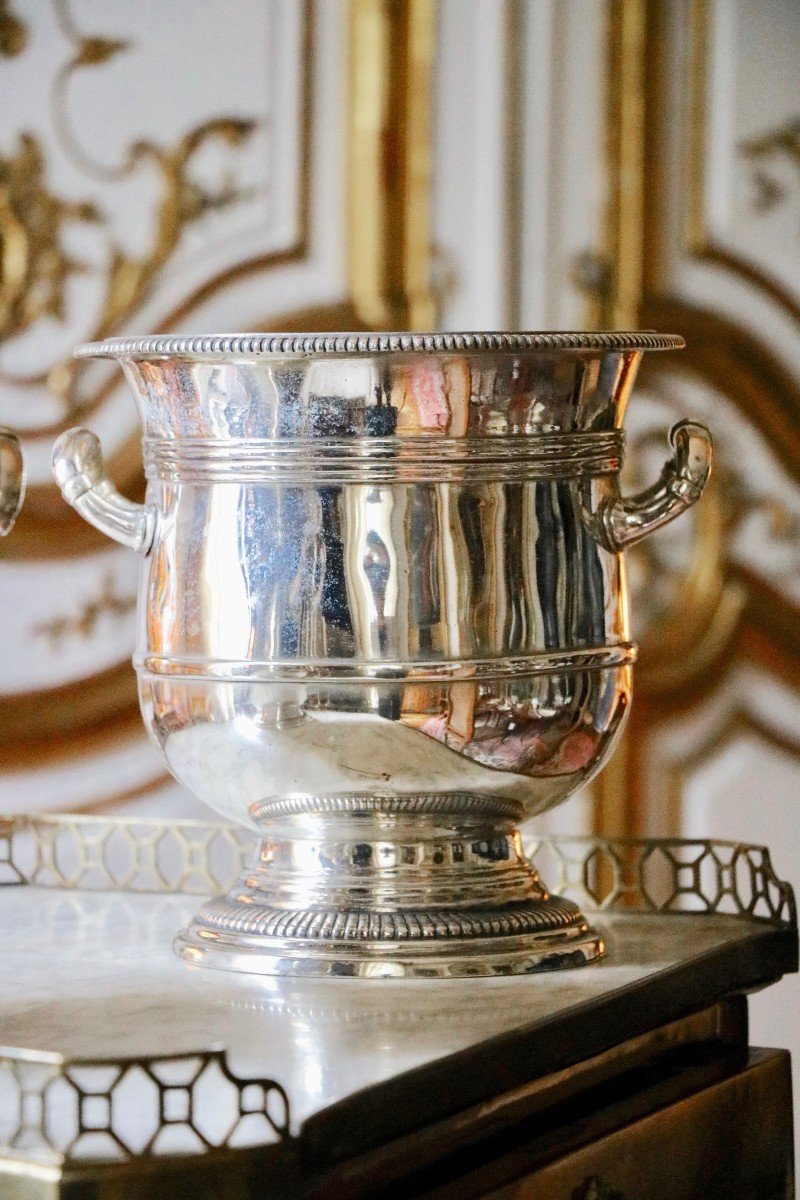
<point>383,617</point>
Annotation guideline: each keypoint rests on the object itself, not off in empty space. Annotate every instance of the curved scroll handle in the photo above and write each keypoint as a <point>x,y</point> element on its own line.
<point>80,473</point>
<point>12,480</point>
<point>625,521</point>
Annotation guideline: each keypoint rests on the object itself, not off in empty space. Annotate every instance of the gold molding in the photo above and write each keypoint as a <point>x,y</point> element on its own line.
<point>686,645</point>
<point>625,148</point>
<point>733,360</point>
<point>297,251</point>
<point>616,792</point>
<point>129,280</point>
<point>767,634</point>
<point>615,803</point>
<point>389,178</point>
<point>45,717</point>
<point>108,804</point>
<point>699,241</point>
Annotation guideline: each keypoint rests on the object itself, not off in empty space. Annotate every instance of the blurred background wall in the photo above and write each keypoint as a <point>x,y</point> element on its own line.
<point>319,164</point>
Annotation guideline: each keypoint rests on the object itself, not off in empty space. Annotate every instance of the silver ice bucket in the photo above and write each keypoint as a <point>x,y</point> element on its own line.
<point>382,619</point>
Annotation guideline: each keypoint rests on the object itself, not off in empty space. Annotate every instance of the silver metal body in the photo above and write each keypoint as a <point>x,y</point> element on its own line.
<point>12,480</point>
<point>383,618</point>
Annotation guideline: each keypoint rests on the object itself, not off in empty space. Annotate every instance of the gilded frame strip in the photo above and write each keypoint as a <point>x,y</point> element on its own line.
<point>389,172</point>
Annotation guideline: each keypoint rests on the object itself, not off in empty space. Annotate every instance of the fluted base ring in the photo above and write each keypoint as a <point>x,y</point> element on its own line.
<point>552,934</point>
<point>234,934</point>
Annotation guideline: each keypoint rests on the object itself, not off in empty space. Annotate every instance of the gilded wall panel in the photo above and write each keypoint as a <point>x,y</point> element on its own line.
<point>143,183</point>
<point>743,209</point>
<point>691,90</point>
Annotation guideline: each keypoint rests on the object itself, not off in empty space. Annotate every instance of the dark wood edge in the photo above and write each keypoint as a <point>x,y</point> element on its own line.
<point>441,1089</point>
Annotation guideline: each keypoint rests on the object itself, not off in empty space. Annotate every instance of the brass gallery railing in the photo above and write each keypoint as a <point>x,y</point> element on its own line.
<point>202,857</point>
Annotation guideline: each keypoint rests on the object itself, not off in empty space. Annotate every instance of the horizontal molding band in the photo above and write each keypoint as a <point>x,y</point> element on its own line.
<point>453,671</point>
<point>383,460</point>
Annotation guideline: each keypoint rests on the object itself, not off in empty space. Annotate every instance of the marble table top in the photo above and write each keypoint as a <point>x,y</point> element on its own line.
<point>93,975</point>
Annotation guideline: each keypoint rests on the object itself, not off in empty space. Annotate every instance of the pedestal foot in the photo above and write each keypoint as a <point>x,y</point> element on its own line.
<point>373,890</point>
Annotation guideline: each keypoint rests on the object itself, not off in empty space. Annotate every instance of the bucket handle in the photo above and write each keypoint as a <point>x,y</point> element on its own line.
<point>81,474</point>
<point>624,520</point>
<point>12,480</point>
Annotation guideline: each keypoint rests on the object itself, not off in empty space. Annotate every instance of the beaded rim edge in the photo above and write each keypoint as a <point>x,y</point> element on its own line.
<point>257,345</point>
